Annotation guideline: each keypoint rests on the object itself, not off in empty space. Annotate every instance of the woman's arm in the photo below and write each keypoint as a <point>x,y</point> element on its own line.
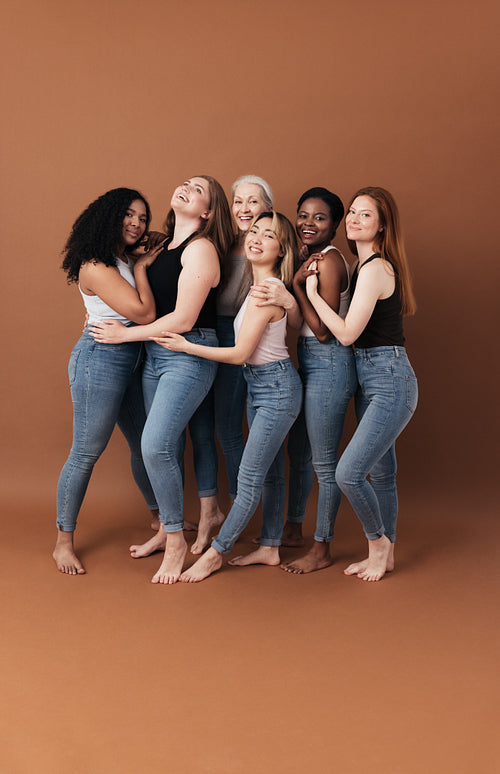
<point>199,274</point>
<point>374,282</point>
<point>331,278</point>
<point>275,294</point>
<point>253,325</point>
<point>136,304</point>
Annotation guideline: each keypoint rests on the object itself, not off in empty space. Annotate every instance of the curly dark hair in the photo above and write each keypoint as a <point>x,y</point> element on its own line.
<point>96,233</point>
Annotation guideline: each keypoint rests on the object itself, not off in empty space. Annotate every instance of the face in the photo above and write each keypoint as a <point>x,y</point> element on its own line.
<point>247,204</point>
<point>192,198</point>
<point>362,222</point>
<point>261,243</point>
<point>134,222</point>
<point>314,224</point>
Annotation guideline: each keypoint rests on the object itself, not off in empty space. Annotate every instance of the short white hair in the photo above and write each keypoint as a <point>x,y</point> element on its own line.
<point>267,193</point>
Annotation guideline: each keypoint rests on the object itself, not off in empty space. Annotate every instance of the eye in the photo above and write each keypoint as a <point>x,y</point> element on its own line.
<point>320,217</point>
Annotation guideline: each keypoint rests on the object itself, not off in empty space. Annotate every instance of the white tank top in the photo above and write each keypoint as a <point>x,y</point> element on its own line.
<point>97,309</point>
<point>345,296</point>
<point>271,346</point>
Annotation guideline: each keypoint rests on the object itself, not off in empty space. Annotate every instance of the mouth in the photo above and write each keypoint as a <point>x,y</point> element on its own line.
<point>183,197</point>
<point>307,232</point>
<point>252,249</point>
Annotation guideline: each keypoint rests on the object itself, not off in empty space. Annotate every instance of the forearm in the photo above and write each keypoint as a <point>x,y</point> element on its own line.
<point>231,355</point>
<point>147,312</point>
<point>330,318</point>
<point>294,313</point>
<point>311,317</point>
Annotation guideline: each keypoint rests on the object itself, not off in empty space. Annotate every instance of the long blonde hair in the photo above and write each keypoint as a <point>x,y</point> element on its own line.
<point>286,264</point>
<point>389,242</point>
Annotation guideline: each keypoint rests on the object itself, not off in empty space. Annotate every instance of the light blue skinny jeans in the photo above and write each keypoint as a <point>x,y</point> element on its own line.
<point>223,408</point>
<point>105,381</point>
<point>385,402</point>
<point>273,404</point>
<point>174,385</point>
<point>330,381</point>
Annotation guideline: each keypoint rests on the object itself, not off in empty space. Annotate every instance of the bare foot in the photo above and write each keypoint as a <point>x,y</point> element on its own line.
<point>211,517</point>
<point>206,565</point>
<point>264,555</point>
<point>156,543</point>
<point>359,567</point>
<point>375,567</point>
<point>317,558</point>
<point>64,555</point>
<point>171,567</point>
<point>190,526</point>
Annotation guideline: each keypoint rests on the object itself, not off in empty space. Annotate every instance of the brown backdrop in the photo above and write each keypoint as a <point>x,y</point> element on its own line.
<point>103,94</point>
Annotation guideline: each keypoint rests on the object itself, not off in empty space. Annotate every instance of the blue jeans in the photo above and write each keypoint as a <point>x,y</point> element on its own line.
<point>330,382</point>
<point>230,391</point>
<point>273,404</point>
<point>105,381</point>
<point>202,432</point>
<point>385,402</point>
<point>174,385</point>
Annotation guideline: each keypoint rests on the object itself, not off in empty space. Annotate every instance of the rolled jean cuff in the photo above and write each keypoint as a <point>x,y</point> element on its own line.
<point>375,535</point>
<point>219,548</point>
<point>207,492</point>
<point>168,528</point>
<point>269,542</point>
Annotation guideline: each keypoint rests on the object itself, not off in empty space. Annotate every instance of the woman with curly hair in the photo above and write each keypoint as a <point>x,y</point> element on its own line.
<point>105,381</point>
<point>184,280</point>
<point>387,396</point>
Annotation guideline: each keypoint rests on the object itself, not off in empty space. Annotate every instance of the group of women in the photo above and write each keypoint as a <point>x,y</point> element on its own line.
<point>184,327</point>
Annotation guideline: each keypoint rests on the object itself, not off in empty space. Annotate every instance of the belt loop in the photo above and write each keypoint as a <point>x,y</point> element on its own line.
<point>396,351</point>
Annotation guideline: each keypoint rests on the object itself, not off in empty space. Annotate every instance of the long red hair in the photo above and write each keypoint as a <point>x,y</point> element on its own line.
<point>389,242</point>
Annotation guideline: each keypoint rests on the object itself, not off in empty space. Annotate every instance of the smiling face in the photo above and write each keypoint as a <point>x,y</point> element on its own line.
<point>248,202</point>
<point>362,222</point>
<point>314,224</point>
<point>134,223</point>
<point>192,198</point>
<point>262,246</point>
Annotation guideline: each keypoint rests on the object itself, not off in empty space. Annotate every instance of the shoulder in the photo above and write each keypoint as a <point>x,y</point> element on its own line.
<point>199,250</point>
<point>332,263</point>
<point>96,269</point>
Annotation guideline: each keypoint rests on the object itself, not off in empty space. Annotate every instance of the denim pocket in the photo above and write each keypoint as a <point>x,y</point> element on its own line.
<point>411,392</point>
<point>380,361</point>
<point>72,365</point>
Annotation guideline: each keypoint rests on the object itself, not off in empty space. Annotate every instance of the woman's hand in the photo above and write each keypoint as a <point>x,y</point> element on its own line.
<point>109,332</point>
<point>272,294</point>
<point>312,279</point>
<point>150,255</point>
<point>304,271</point>
<point>172,341</point>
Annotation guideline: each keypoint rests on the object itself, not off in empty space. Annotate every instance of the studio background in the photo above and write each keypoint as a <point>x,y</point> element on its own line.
<point>98,95</point>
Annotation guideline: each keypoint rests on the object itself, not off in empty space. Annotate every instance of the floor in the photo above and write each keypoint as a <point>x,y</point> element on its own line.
<point>253,670</point>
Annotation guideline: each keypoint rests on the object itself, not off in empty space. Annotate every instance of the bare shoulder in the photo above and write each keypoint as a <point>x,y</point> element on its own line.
<point>270,312</point>
<point>199,248</point>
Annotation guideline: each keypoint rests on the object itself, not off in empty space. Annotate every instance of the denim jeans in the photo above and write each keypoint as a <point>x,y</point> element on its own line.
<point>174,385</point>
<point>202,432</point>
<point>301,472</point>
<point>230,391</point>
<point>385,402</point>
<point>330,382</point>
<point>105,383</point>
<point>273,404</point>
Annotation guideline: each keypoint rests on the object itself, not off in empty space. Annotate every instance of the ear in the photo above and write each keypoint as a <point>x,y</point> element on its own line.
<point>205,215</point>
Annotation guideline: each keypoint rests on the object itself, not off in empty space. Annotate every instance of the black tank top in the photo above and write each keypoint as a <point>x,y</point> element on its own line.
<point>385,326</point>
<point>163,276</point>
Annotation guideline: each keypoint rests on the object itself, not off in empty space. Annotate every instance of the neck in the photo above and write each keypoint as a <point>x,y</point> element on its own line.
<point>260,273</point>
<point>364,251</point>
<point>317,248</point>
<point>183,228</point>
